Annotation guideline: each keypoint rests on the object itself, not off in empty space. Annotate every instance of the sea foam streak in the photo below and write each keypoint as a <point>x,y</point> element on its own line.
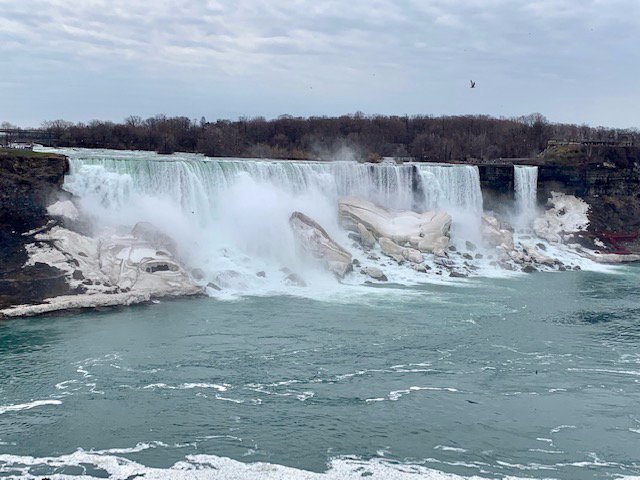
<point>201,467</point>
<point>28,406</point>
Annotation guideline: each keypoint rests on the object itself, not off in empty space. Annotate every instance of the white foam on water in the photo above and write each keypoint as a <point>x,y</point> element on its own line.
<point>187,386</point>
<point>204,467</point>
<point>27,406</point>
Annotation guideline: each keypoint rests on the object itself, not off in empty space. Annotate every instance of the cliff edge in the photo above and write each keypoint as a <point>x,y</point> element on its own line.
<point>29,181</point>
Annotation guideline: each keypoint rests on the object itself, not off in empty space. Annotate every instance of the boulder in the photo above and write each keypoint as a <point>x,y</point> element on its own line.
<point>495,236</point>
<point>316,242</point>
<point>412,255</point>
<point>389,248</point>
<point>231,279</point>
<point>419,267</point>
<point>428,231</point>
<point>295,280</point>
<point>366,237</point>
<point>375,273</point>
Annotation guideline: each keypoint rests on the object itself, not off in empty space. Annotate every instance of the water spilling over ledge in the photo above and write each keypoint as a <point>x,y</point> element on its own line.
<point>147,224</point>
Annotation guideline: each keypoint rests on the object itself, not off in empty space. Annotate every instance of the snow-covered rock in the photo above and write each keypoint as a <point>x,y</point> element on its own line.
<point>567,214</point>
<point>427,231</point>
<point>316,242</point>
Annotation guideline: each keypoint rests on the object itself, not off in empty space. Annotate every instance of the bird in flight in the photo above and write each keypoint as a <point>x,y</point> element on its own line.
<point>473,84</point>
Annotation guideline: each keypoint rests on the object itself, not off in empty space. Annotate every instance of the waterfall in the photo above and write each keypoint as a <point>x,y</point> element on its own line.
<point>196,184</point>
<point>447,187</point>
<point>231,214</point>
<point>525,186</point>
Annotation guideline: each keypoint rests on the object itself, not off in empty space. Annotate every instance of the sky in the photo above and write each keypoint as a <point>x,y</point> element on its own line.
<point>573,61</point>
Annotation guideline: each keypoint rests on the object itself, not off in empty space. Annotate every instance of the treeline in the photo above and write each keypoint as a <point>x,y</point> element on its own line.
<point>365,137</point>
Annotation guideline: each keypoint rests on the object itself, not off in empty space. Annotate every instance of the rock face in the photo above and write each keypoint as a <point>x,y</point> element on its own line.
<point>606,177</point>
<point>427,232</point>
<point>111,270</point>
<point>28,183</point>
<point>317,243</point>
<point>46,267</point>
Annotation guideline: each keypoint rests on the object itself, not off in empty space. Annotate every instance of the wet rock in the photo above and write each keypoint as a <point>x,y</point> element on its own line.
<point>355,262</point>
<point>213,286</point>
<point>389,247</point>
<point>452,248</point>
<point>398,258</point>
<point>375,273</point>
<point>230,279</point>
<point>529,269</point>
<point>295,280</point>
<point>366,237</point>
<point>478,256</point>
<point>355,237</point>
<point>470,246</point>
<point>467,256</point>
<point>316,242</point>
<point>77,275</point>
<point>197,274</point>
<point>541,246</point>
<point>455,274</point>
<point>261,274</point>
<point>412,255</point>
<point>419,267</point>
<point>373,257</point>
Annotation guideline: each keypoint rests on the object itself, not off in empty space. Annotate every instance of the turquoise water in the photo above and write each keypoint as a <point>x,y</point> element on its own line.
<point>535,377</point>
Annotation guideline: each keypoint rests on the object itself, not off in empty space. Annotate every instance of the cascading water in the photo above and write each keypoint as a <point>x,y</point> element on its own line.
<point>525,186</point>
<point>451,187</point>
<point>456,190</point>
<point>230,214</point>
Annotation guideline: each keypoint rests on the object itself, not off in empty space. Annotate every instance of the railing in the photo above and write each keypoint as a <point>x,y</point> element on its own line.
<point>23,136</point>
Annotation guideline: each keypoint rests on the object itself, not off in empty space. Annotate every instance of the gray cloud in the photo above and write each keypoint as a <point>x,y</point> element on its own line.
<point>569,59</point>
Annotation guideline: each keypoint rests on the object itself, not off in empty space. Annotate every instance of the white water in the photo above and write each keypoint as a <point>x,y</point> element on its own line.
<point>456,190</point>
<point>230,214</point>
<point>233,215</point>
<point>525,182</point>
<point>451,187</point>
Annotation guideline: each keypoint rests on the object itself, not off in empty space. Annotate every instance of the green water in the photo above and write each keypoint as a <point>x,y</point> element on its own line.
<point>535,377</point>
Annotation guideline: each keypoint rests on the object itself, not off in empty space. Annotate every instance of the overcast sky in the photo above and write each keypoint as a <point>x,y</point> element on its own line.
<point>571,60</point>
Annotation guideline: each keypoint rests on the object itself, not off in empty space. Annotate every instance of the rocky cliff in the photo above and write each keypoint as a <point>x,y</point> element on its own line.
<point>28,182</point>
<point>606,177</point>
<point>50,259</point>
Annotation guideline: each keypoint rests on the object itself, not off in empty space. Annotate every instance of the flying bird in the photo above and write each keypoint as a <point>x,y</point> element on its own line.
<point>473,84</point>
